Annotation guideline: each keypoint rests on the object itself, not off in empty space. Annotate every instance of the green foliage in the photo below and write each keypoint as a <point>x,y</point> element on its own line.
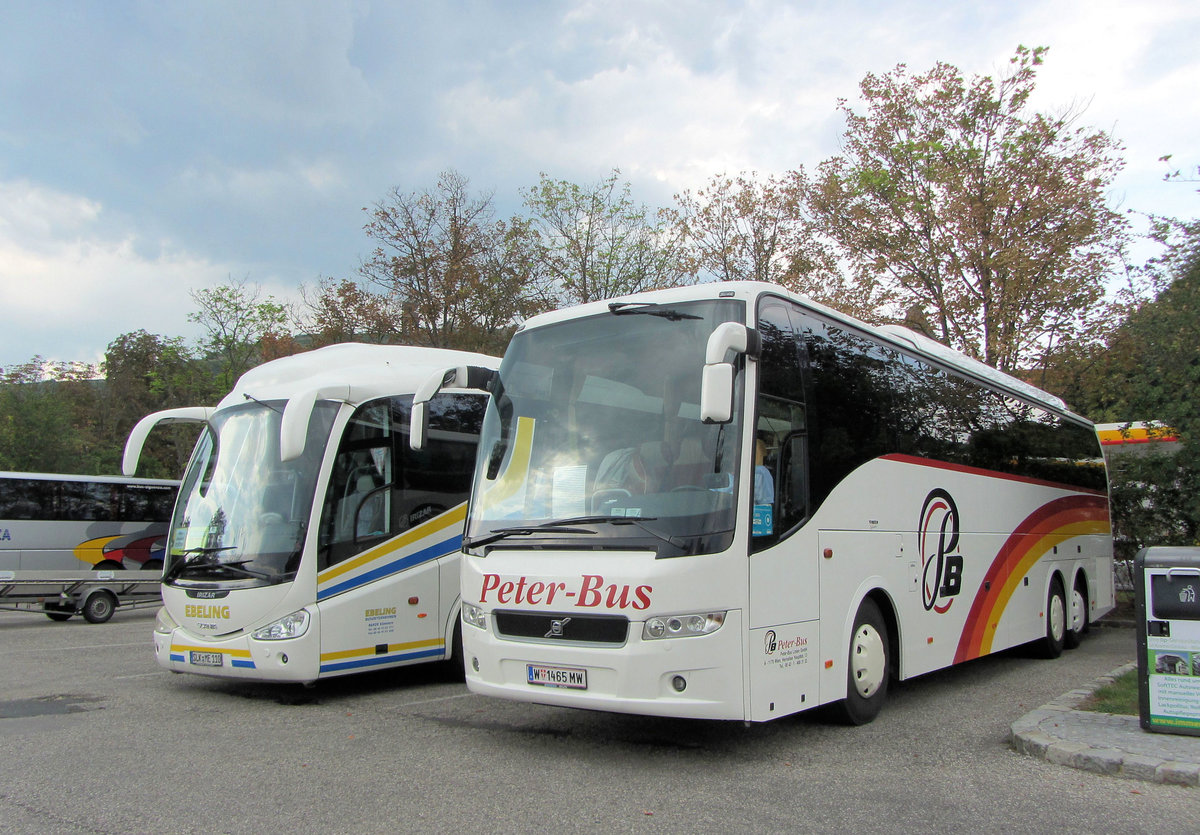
<point>239,324</point>
<point>595,243</point>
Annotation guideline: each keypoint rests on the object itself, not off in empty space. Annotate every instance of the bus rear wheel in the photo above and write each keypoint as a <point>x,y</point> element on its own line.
<point>1078,615</point>
<point>1051,646</point>
<point>99,606</point>
<point>868,668</point>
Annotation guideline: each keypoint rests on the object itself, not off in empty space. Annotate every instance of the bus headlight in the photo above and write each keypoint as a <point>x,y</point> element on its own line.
<point>164,624</point>
<point>474,616</point>
<point>682,626</point>
<point>288,626</point>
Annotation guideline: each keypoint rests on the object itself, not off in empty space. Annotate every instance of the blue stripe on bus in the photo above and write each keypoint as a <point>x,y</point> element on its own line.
<point>377,660</point>
<point>241,662</point>
<point>433,552</point>
<point>178,658</point>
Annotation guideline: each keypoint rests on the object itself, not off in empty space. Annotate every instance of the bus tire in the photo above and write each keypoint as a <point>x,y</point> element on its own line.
<point>454,667</point>
<point>99,606</point>
<point>1051,645</point>
<point>868,668</point>
<point>1077,620</point>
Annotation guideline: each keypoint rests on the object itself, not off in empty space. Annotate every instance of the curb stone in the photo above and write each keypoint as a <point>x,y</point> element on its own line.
<point>1105,743</point>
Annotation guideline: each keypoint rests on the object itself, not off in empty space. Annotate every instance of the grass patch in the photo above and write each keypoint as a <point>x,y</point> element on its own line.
<point>1119,697</point>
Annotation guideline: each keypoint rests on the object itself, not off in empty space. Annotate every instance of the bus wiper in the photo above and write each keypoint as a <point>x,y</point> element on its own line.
<point>565,526</point>
<point>192,558</point>
<point>555,525</point>
<point>238,567</point>
<point>638,521</point>
<point>648,309</point>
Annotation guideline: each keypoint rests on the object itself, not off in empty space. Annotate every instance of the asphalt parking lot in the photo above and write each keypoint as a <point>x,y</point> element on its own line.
<point>97,739</point>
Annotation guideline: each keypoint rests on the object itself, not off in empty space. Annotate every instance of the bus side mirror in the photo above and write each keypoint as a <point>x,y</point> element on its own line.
<point>137,436</point>
<point>462,377</point>
<point>716,384</point>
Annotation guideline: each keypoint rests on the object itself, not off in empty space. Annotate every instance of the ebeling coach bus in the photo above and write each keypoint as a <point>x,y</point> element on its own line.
<point>309,540</point>
<point>66,523</point>
<point>727,502</point>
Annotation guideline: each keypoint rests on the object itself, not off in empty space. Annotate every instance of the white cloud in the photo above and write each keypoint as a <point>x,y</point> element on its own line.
<point>66,283</point>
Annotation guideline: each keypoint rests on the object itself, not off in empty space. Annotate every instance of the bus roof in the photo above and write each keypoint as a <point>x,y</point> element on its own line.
<point>357,372</point>
<point>896,335</point>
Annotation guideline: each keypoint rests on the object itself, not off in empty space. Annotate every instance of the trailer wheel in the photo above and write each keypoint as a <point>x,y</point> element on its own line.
<point>869,667</point>
<point>99,606</point>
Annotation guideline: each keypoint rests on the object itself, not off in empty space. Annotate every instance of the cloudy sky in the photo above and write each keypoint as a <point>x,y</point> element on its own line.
<point>149,149</point>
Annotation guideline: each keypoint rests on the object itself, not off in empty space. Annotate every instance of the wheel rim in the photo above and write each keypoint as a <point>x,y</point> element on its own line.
<point>868,661</point>
<point>1078,611</point>
<point>1058,617</point>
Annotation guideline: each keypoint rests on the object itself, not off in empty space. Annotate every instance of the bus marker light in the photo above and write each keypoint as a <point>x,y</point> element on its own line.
<point>829,664</point>
<point>413,601</point>
<point>679,683</point>
<point>828,553</point>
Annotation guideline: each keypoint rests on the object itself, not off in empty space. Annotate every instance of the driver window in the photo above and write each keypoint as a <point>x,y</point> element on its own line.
<point>357,502</point>
<point>780,495</point>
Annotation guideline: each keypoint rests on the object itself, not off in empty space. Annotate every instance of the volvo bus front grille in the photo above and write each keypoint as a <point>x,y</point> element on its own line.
<point>609,630</point>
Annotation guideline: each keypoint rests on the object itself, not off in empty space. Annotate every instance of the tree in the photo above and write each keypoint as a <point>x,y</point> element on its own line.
<point>242,327</point>
<point>986,219</point>
<point>444,259</point>
<point>1149,369</point>
<point>345,311</point>
<point>146,373</point>
<point>748,229</point>
<point>48,418</point>
<point>595,243</point>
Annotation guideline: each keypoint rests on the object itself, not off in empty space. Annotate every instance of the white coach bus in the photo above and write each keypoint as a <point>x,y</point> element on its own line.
<point>725,501</point>
<point>309,540</point>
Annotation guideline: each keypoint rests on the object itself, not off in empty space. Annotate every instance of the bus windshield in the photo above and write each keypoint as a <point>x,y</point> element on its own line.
<point>593,438</point>
<point>242,514</point>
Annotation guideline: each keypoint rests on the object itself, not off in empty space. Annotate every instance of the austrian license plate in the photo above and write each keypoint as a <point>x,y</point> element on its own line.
<point>573,678</point>
<point>206,659</point>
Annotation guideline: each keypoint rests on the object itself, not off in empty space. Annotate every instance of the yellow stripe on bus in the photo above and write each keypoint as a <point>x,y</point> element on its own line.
<point>356,653</point>
<point>454,517</point>
<point>236,653</point>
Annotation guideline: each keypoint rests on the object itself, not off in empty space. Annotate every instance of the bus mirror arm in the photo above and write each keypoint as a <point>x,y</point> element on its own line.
<point>141,430</point>
<point>462,377</point>
<point>716,385</point>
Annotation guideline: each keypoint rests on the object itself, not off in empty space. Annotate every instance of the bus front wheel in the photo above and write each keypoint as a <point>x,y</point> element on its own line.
<point>868,668</point>
<point>99,606</point>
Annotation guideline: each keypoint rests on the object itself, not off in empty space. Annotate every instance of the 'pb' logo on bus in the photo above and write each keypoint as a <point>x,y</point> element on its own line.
<point>941,574</point>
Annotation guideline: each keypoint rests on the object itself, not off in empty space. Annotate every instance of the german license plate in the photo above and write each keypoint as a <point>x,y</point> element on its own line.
<point>206,659</point>
<point>573,678</point>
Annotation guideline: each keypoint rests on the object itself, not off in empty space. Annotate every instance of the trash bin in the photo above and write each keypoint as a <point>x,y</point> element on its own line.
<point>1167,588</point>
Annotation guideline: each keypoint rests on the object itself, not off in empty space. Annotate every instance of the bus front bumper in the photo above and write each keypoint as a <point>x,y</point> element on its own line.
<point>695,677</point>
